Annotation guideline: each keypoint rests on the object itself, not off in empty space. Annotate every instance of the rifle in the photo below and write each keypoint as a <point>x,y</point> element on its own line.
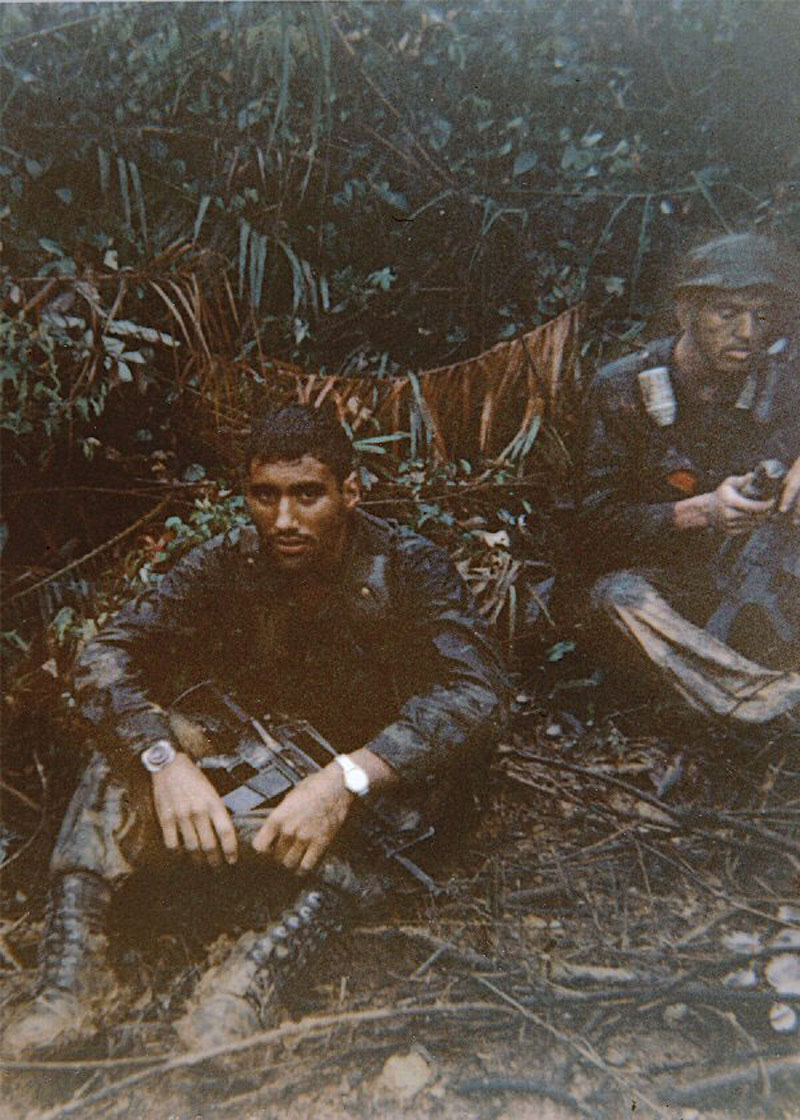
<point>262,759</point>
<point>748,573</point>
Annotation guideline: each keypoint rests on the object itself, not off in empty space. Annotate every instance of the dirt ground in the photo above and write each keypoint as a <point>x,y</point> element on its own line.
<point>620,936</point>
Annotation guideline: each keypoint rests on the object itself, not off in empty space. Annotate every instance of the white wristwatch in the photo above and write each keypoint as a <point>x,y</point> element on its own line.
<point>356,778</point>
<point>157,756</point>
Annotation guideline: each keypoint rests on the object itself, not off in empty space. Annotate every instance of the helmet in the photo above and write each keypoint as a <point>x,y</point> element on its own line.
<point>740,260</point>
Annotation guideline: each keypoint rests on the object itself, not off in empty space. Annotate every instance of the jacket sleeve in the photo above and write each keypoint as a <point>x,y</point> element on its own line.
<point>615,509</point>
<point>128,673</point>
<point>463,706</point>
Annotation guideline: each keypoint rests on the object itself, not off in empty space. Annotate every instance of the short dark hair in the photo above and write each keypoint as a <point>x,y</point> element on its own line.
<point>289,433</point>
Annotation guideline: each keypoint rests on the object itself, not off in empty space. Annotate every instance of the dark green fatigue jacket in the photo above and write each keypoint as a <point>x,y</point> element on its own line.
<point>395,658</point>
<point>627,498</point>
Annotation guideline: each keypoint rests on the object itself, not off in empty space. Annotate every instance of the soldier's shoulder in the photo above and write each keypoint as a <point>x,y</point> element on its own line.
<point>239,541</point>
<point>389,536</point>
<point>624,371</point>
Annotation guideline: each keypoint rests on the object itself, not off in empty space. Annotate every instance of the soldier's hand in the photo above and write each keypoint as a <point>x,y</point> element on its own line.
<point>302,827</point>
<point>191,812</point>
<point>731,512</point>
<point>790,494</point>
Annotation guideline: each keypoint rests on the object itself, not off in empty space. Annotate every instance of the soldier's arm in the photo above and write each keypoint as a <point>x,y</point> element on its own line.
<point>462,705</point>
<point>615,506</point>
<point>128,672</point>
<point>123,676</point>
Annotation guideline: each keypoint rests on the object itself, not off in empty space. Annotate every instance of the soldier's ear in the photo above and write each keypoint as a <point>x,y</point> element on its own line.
<point>351,490</point>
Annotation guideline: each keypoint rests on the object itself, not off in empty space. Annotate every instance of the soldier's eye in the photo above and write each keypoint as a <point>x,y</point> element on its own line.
<point>263,494</point>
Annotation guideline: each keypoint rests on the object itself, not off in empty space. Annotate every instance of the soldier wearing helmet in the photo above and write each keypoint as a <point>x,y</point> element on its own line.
<point>673,435</point>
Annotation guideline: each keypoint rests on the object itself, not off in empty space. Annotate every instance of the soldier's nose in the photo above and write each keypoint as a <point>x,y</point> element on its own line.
<point>746,325</point>
<point>285,517</point>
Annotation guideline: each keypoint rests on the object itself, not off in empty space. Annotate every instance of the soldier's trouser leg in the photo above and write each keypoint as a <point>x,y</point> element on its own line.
<point>711,676</point>
<point>104,834</point>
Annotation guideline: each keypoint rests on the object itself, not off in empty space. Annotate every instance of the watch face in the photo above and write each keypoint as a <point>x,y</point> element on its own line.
<point>158,756</point>
<point>357,781</point>
<point>355,777</point>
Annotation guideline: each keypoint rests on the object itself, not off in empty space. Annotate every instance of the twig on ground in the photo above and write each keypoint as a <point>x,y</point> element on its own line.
<point>738,1077</point>
<point>23,797</point>
<point>305,1028</point>
<point>583,1048</point>
<point>522,1085</point>
<point>440,947</point>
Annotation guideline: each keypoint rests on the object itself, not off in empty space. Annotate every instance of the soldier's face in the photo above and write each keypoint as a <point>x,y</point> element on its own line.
<point>732,330</point>
<point>302,512</point>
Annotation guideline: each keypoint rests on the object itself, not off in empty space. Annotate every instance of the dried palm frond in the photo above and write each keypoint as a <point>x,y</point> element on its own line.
<point>489,406</point>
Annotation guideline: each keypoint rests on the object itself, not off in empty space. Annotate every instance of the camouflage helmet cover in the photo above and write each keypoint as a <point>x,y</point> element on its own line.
<point>740,260</point>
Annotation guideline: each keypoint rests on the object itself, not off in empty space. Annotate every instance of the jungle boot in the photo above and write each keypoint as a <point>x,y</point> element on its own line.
<point>243,994</point>
<point>75,981</point>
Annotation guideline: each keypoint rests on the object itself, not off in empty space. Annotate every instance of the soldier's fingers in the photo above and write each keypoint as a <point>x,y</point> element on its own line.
<point>737,481</point>
<point>226,833</point>
<point>169,831</point>
<point>189,834</point>
<point>314,852</point>
<point>207,838</point>
<point>743,504</point>
<point>283,845</point>
<point>293,855</point>
<point>790,497</point>
<point>265,837</point>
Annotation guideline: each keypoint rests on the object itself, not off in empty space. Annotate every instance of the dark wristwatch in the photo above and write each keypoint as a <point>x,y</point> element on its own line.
<point>157,756</point>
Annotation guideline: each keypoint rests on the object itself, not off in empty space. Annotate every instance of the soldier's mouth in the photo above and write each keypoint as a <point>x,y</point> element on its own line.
<point>289,546</point>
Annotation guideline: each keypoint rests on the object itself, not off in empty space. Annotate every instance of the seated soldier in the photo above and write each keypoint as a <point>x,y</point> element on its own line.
<point>319,611</point>
<point>703,571</point>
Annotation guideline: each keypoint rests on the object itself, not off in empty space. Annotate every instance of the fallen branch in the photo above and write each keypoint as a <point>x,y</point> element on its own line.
<point>303,1029</point>
<point>736,1078</point>
<point>584,1049</point>
<point>522,1085</point>
<point>682,817</point>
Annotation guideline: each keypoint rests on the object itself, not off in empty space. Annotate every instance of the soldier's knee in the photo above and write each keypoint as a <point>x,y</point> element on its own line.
<point>618,589</point>
<point>95,817</point>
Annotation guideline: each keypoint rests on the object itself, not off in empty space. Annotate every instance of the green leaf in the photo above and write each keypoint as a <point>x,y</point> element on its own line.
<point>244,238</point>
<point>525,161</point>
<point>394,198</point>
<point>201,213</point>
<point>104,167</point>
<point>62,623</point>
<point>51,247</point>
